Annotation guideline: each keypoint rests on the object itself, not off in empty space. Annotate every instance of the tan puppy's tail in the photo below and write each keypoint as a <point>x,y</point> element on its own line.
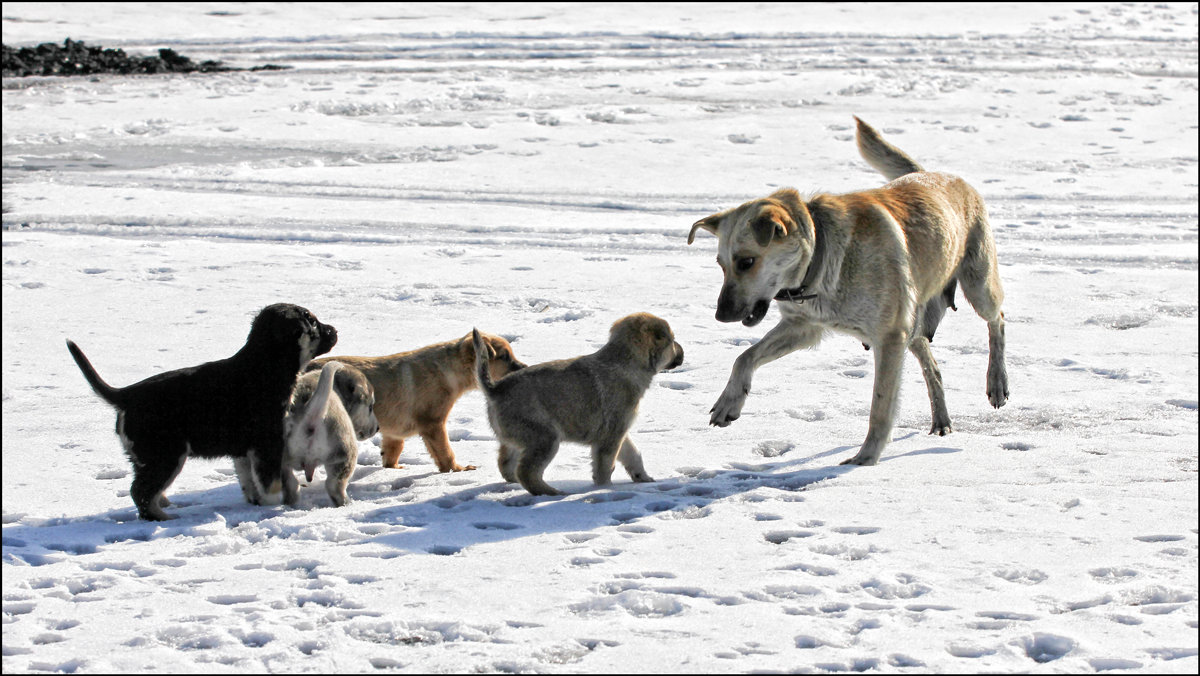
<point>886,158</point>
<point>482,374</point>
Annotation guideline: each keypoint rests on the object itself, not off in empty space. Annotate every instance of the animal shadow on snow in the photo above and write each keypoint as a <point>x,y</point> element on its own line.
<point>198,514</point>
<point>450,522</point>
<point>500,511</point>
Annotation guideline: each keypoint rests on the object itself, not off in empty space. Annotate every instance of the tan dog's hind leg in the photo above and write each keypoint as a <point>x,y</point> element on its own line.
<point>889,360</point>
<point>438,445</point>
<point>979,278</point>
<point>632,460</point>
<point>933,382</point>
<point>784,339</point>
<point>997,373</point>
<point>392,447</point>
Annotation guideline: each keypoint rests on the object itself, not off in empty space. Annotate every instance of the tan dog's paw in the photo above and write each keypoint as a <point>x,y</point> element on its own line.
<point>462,468</point>
<point>728,408</point>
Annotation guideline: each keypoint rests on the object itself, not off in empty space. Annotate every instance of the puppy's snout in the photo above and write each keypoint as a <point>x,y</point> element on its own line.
<point>678,358</point>
<point>329,336</point>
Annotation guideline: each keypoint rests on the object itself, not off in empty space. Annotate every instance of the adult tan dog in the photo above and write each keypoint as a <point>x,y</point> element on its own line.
<point>415,390</point>
<point>881,265</point>
<point>590,399</point>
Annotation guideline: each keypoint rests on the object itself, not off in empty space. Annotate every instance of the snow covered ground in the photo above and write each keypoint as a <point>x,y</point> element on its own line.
<point>533,170</point>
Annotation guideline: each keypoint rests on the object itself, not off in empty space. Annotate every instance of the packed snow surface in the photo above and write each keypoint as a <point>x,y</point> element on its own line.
<point>533,170</point>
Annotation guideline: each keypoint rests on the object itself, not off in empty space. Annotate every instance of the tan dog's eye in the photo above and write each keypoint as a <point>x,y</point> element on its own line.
<point>744,264</point>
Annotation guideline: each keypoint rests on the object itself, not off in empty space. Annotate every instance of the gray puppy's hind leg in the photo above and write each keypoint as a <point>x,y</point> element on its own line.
<point>338,472</point>
<point>506,460</point>
<point>537,454</point>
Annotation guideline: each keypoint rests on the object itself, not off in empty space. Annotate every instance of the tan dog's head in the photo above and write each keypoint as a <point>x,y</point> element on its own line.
<point>650,338</point>
<point>762,246</point>
<point>501,360</point>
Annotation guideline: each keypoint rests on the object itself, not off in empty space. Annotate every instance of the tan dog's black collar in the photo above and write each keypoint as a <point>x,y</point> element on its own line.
<point>799,294</point>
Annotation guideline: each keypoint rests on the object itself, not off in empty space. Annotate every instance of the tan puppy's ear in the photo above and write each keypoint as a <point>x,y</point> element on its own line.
<point>709,223</point>
<point>467,347</point>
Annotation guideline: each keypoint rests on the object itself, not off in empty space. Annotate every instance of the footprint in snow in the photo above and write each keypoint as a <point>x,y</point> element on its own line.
<point>1044,648</point>
<point>778,537</point>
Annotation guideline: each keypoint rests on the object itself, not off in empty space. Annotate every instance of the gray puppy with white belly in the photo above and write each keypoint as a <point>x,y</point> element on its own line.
<point>590,399</point>
<point>331,410</point>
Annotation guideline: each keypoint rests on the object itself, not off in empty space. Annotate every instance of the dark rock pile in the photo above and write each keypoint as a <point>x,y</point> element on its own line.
<point>76,58</point>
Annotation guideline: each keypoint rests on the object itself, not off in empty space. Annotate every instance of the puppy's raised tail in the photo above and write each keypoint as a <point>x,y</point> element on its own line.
<point>107,392</point>
<point>482,374</point>
<point>318,405</point>
<point>886,158</point>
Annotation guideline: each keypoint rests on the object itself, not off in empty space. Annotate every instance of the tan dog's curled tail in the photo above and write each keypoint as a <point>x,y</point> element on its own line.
<point>886,158</point>
<point>318,405</point>
<point>482,375</point>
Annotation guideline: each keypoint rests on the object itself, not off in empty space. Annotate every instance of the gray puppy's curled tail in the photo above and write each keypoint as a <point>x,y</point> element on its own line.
<point>482,374</point>
<point>886,158</point>
<point>318,405</point>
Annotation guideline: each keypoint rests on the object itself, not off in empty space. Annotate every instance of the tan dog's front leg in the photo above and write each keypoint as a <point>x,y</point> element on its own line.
<point>392,447</point>
<point>438,445</point>
<point>785,338</point>
<point>889,359</point>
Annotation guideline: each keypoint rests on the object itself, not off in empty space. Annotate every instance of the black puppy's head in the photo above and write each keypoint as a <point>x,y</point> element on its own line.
<point>291,327</point>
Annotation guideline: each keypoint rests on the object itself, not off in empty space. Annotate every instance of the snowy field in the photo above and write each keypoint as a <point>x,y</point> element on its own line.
<point>533,171</point>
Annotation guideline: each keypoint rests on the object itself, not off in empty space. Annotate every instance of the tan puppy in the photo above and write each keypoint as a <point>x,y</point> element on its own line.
<point>591,399</point>
<point>415,390</point>
<point>880,265</point>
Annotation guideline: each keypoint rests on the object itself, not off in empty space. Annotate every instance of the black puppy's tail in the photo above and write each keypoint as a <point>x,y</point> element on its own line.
<point>107,392</point>
<point>482,356</point>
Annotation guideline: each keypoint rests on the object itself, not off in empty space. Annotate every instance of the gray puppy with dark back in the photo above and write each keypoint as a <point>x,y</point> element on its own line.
<point>591,399</point>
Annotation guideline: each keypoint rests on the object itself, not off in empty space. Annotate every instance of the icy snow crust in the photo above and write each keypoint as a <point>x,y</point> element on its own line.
<point>532,170</point>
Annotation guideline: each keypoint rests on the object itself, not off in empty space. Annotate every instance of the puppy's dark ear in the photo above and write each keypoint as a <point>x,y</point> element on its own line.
<point>711,224</point>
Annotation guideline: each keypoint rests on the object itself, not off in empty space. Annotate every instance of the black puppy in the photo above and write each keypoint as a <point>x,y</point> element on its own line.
<point>231,407</point>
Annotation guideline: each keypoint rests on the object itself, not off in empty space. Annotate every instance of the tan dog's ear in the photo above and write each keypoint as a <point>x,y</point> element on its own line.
<point>795,215</point>
<point>710,223</point>
<point>767,227</point>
